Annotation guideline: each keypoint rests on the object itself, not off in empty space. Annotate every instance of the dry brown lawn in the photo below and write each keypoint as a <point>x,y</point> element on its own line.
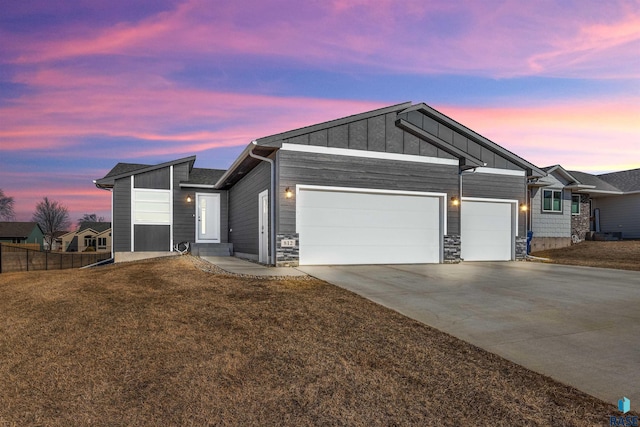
<point>163,343</point>
<point>624,255</point>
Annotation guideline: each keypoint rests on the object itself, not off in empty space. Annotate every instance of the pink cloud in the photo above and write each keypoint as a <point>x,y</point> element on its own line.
<point>505,39</point>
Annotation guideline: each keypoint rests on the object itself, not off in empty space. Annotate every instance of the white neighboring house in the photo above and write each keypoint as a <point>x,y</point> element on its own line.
<point>570,206</point>
<point>91,236</point>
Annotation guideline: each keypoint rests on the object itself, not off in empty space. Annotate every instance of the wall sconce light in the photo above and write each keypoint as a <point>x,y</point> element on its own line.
<point>455,201</point>
<point>189,198</point>
<point>524,207</point>
<point>288,193</point>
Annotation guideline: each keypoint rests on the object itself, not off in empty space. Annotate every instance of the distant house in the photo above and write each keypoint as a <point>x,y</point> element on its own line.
<point>21,233</point>
<point>90,236</point>
<point>571,206</point>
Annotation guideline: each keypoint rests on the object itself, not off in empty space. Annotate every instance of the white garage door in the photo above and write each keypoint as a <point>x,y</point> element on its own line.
<point>339,226</point>
<point>487,230</point>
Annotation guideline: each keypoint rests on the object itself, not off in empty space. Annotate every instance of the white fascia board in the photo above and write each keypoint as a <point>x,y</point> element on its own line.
<point>367,154</point>
<point>496,171</point>
<point>187,185</point>
<point>602,192</point>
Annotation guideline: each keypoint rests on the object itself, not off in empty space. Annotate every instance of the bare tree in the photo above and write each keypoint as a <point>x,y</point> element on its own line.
<point>90,218</point>
<point>6,207</point>
<point>52,217</point>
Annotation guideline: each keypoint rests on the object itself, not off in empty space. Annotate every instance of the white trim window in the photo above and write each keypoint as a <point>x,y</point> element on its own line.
<point>552,200</point>
<point>575,204</point>
<point>151,206</point>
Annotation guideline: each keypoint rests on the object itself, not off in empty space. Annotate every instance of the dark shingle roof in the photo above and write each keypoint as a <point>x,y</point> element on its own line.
<point>16,229</point>
<point>588,179</point>
<point>121,168</point>
<point>97,226</point>
<point>204,176</point>
<point>624,180</point>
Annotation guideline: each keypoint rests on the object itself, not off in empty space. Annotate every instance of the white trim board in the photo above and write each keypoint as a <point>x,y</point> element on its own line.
<point>496,171</point>
<point>367,154</point>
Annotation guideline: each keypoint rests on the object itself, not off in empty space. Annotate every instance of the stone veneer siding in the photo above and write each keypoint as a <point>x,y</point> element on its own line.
<point>452,249</point>
<point>521,247</point>
<point>287,257</point>
<point>581,223</point>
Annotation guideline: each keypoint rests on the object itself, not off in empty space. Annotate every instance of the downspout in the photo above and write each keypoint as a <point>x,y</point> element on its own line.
<point>272,202</point>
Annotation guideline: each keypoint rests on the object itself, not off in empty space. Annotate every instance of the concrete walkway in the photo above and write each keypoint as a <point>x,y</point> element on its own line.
<point>235,265</point>
<point>579,325</point>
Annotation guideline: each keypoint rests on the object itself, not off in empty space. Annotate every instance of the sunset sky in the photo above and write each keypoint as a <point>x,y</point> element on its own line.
<point>86,84</point>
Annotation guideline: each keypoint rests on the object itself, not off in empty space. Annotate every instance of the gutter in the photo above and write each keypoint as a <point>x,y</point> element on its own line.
<point>272,200</point>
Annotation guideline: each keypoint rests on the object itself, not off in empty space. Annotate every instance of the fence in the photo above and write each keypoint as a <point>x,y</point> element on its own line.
<point>16,258</point>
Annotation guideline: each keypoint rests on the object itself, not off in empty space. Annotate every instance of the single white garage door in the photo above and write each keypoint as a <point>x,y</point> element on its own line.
<point>340,226</point>
<point>487,230</point>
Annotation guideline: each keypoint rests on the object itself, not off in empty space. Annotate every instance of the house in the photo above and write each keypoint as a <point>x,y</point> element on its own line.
<point>21,233</point>
<point>570,206</point>
<point>90,236</point>
<point>401,184</point>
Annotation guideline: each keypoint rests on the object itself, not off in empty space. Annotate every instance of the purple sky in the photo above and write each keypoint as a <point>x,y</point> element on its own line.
<point>86,84</point>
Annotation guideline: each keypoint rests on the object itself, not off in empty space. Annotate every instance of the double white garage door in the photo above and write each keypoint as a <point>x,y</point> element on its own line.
<point>355,226</point>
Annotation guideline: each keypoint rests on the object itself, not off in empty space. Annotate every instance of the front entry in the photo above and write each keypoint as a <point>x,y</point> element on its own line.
<point>263,227</point>
<point>208,218</point>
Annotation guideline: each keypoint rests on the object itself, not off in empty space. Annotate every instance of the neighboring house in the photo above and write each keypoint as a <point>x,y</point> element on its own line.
<point>402,184</point>
<point>566,206</point>
<point>21,233</point>
<point>90,236</point>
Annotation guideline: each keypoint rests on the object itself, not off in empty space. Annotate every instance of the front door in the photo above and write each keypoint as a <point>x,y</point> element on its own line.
<point>263,227</point>
<point>208,218</point>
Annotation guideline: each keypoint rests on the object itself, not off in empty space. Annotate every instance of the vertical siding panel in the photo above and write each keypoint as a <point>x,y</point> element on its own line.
<point>358,135</point>
<point>339,137</point>
<point>376,132</point>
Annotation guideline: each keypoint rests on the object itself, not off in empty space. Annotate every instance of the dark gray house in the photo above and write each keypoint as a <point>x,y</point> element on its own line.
<point>402,184</point>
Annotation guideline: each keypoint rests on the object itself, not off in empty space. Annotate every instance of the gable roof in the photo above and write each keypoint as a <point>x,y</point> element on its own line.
<point>532,170</point>
<point>21,230</point>
<point>124,168</point>
<point>627,181</point>
<point>98,227</point>
<point>609,183</point>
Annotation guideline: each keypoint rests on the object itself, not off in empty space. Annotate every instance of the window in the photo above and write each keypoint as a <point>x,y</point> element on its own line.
<point>151,206</point>
<point>102,242</point>
<point>89,241</point>
<point>575,204</point>
<point>552,200</point>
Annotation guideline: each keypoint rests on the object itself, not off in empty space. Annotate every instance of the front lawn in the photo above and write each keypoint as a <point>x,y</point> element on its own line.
<point>164,343</point>
<point>624,255</point>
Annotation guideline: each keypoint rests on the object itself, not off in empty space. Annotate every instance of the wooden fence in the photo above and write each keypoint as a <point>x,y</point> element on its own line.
<point>16,258</point>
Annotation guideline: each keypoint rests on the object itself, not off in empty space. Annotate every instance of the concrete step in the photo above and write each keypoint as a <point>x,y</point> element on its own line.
<point>212,249</point>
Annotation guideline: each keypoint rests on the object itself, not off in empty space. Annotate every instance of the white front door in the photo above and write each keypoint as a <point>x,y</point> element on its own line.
<point>263,227</point>
<point>208,218</point>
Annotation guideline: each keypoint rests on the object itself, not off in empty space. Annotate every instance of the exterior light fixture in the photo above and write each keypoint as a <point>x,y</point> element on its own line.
<point>524,207</point>
<point>189,198</point>
<point>455,201</point>
<point>288,193</point>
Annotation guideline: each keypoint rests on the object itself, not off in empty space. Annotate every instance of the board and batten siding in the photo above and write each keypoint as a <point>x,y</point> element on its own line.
<point>491,186</point>
<point>345,171</point>
<point>445,133</point>
<point>121,221</point>
<point>243,209</point>
<point>620,214</point>
<point>378,133</point>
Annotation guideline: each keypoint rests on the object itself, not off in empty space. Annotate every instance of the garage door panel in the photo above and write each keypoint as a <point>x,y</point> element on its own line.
<point>341,227</point>
<point>486,230</point>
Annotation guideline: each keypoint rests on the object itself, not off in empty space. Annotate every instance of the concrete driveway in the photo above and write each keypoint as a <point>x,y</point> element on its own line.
<point>578,325</point>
